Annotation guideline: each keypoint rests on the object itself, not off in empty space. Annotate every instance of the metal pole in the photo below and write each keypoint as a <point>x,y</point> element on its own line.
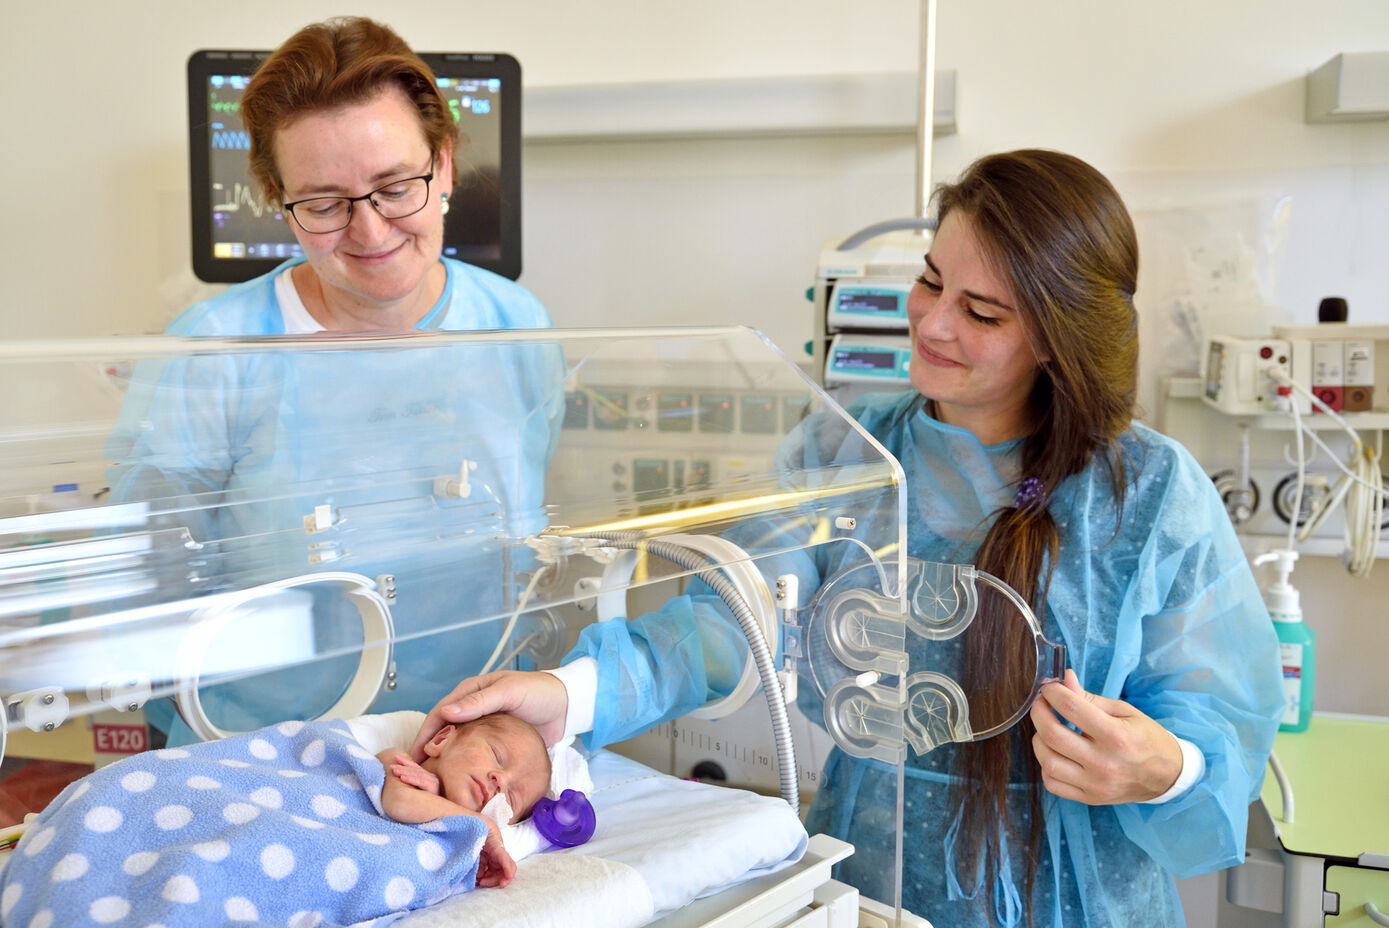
<point>926,113</point>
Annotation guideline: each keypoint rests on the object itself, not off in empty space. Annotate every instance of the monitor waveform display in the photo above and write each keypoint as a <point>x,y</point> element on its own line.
<point>231,139</point>
<point>241,195</point>
<point>236,234</point>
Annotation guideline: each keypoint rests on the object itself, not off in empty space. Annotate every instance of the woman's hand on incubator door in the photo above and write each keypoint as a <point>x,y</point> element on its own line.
<point>1118,755</point>
<point>535,697</point>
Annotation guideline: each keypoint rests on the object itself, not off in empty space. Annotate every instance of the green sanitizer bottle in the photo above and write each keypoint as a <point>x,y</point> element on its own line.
<point>1297,644</point>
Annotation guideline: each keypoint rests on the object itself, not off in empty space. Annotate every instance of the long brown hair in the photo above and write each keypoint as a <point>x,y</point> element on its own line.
<point>336,63</point>
<point>1056,231</point>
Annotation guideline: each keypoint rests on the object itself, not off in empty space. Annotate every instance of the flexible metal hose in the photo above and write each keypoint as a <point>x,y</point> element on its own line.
<point>761,655</point>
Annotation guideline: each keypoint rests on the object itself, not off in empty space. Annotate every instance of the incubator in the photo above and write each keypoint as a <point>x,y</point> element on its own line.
<point>207,536</point>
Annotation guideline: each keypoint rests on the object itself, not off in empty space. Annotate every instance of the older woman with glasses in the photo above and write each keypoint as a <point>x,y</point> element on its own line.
<point>349,134</point>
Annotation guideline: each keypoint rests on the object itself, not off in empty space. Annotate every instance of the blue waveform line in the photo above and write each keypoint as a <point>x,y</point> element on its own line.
<point>233,140</point>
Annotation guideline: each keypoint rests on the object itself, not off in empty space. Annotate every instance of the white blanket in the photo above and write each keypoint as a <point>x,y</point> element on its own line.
<point>661,842</point>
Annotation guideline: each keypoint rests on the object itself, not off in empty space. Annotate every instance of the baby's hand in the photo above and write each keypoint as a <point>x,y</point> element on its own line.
<point>411,794</point>
<point>404,769</point>
<point>494,866</point>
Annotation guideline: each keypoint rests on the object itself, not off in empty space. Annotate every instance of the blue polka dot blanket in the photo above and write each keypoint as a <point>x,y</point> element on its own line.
<point>277,827</point>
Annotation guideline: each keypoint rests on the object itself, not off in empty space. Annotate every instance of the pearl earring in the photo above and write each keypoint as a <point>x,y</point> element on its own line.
<point>443,204</point>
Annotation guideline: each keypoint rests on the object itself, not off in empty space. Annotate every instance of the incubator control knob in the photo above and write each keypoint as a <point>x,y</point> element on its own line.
<point>709,770</point>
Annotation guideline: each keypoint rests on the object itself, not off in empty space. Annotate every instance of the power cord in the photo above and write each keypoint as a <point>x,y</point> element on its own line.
<point>1361,486</point>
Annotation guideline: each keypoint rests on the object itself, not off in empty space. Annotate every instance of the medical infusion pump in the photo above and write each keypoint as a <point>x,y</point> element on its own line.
<point>862,286</point>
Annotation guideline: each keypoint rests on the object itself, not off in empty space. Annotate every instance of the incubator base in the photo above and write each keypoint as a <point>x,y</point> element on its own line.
<point>800,896</point>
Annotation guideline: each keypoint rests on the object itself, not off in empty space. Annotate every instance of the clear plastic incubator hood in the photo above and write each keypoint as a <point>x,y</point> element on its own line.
<point>207,536</point>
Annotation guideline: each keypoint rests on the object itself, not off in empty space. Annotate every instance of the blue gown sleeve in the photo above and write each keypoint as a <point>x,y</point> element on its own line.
<point>186,421</point>
<point>181,430</point>
<point>1207,670</point>
<point>661,665</point>
<point>664,664</point>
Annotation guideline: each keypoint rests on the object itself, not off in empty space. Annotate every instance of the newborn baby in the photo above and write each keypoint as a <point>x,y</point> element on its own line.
<point>297,824</point>
<point>465,768</point>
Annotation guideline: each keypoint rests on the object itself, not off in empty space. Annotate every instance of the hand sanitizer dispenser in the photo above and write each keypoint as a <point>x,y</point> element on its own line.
<point>1297,643</point>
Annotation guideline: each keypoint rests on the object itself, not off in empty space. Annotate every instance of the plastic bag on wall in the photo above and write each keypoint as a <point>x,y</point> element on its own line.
<point>1205,269</point>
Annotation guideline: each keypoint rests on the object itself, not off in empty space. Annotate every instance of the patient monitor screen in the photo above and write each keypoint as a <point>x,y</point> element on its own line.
<point>237,235</point>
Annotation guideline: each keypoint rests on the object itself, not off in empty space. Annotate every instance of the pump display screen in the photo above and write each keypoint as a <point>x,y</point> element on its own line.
<point>869,303</point>
<point>849,359</point>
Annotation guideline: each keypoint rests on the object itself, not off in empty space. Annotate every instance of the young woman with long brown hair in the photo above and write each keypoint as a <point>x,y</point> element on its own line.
<point>1022,457</point>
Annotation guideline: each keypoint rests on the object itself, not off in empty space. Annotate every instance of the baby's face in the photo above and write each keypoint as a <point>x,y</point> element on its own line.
<point>494,754</point>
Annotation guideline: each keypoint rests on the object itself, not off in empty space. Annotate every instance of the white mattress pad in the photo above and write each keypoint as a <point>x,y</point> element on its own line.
<point>660,843</point>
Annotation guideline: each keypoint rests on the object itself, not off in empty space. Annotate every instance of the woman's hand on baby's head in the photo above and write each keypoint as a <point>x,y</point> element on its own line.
<point>532,696</point>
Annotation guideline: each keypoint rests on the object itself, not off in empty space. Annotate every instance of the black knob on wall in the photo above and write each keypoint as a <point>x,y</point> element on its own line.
<point>1332,309</point>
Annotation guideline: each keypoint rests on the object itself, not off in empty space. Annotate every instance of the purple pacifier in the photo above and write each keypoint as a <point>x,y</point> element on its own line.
<point>567,821</point>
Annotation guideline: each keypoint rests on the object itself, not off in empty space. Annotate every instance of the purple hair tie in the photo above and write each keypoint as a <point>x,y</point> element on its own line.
<point>1030,493</point>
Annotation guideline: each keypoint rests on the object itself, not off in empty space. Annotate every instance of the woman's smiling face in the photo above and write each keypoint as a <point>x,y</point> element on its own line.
<point>970,350</point>
<point>349,151</point>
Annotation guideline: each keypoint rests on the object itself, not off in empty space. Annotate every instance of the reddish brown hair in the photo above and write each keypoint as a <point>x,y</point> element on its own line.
<point>1057,232</point>
<point>336,63</point>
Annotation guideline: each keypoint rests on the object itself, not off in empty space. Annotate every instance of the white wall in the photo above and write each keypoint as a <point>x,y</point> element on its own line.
<point>1195,109</point>
<point>709,230</point>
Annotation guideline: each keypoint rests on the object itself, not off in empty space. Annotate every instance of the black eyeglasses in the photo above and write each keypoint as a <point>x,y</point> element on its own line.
<point>396,200</point>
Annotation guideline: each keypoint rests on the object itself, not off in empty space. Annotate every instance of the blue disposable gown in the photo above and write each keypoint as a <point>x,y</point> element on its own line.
<point>1162,613</point>
<point>244,445</point>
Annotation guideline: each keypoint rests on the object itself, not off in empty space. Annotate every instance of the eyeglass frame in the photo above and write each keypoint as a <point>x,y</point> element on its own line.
<point>289,207</point>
